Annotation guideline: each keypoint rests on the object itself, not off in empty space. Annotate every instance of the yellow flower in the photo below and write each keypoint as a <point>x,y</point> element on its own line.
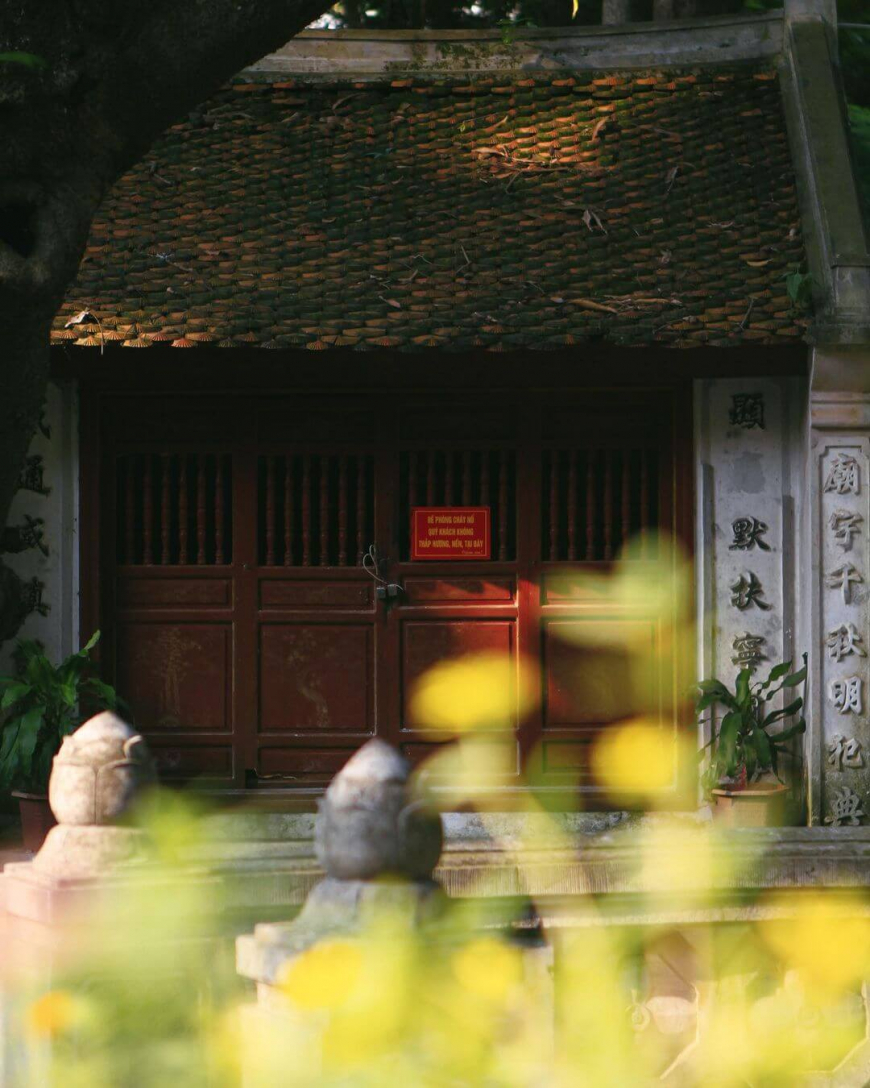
<point>634,758</point>
<point>53,1014</point>
<point>324,976</point>
<point>478,691</point>
<point>825,938</point>
<point>488,968</point>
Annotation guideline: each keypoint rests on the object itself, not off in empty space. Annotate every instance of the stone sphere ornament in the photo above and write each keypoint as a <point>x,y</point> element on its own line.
<point>369,823</point>
<point>98,772</point>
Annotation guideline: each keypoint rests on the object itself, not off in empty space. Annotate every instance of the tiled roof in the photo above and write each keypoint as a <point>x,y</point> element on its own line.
<point>634,208</point>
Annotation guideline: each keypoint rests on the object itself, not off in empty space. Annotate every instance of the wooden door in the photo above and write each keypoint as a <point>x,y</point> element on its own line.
<point>245,630</point>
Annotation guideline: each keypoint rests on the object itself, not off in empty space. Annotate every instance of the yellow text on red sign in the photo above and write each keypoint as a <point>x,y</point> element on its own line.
<point>450,532</point>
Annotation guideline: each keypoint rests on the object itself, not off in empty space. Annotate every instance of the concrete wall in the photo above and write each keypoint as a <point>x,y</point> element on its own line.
<point>58,627</point>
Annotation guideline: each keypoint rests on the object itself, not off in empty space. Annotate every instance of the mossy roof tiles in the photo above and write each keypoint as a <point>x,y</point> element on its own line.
<point>634,208</point>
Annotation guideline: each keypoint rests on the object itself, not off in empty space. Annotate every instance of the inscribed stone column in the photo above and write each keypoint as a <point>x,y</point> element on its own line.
<point>748,445</point>
<point>839,531</point>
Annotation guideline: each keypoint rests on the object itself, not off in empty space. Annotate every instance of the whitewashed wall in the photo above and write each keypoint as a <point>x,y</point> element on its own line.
<point>755,473</point>
<point>58,629</point>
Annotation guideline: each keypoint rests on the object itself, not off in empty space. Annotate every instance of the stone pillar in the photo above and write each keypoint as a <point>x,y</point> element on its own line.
<point>750,446</point>
<point>826,10</point>
<point>839,573</point>
<point>97,774</point>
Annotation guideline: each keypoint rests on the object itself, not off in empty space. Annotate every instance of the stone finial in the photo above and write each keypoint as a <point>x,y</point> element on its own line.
<point>98,771</point>
<point>95,777</point>
<point>369,823</point>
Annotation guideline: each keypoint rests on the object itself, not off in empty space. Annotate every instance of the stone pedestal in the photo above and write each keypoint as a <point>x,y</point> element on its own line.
<point>98,772</point>
<point>378,845</point>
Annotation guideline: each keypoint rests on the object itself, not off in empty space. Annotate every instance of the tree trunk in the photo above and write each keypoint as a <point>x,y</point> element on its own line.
<point>85,87</point>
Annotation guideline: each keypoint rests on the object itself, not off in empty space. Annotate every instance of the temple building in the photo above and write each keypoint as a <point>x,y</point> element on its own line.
<point>436,326</point>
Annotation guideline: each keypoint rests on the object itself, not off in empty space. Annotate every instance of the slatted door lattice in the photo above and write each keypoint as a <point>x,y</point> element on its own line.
<point>174,509</point>
<point>315,509</point>
<point>594,501</point>
<point>466,477</point>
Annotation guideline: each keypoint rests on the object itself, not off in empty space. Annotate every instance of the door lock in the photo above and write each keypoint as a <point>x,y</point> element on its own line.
<point>388,592</point>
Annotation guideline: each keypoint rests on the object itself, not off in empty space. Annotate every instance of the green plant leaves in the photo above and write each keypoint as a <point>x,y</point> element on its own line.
<point>31,723</point>
<point>743,741</point>
<point>799,286</point>
<point>784,712</point>
<point>762,746</point>
<point>14,692</point>
<point>795,678</point>
<point>27,60</point>
<point>741,688</point>
<point>41,706</point>
<point>726,752</point>
<point>792,731</point>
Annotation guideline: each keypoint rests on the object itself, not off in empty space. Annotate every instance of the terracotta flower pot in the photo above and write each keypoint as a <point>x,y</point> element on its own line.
<point>37,819</point>
<point>759,805</point>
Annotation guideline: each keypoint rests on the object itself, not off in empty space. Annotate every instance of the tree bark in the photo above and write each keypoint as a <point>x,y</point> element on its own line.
<point>98,82</point>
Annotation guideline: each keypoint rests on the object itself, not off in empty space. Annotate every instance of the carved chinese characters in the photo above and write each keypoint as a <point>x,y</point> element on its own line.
<point>844,527</point>
<point>843,578</point>
<point>747,591</point>
<point>747,410</point>
<point>842,558</point>
<point>748,651</point>
<point>844,477</point>
<point>843,641</point>
<point>749,533</point>
<point>846,694</point>
<point>844,752</point>
<point>845,808</point>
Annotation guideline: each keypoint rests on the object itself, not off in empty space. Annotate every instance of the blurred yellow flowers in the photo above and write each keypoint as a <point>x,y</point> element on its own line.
<point>636,758</point>
<point>325,976</point>
<point>488,968</point>
<point>824,937</point>
<point>477,691</point>
<point>53,1014</point>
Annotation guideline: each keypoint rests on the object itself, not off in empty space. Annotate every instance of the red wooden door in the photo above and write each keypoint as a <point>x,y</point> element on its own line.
<point>248,635</point>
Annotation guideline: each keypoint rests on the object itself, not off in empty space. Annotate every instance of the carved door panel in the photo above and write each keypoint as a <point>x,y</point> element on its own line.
<point>450,455</point>
<point>170,630</point>
<point>319,631</point>
<point>614,483</point>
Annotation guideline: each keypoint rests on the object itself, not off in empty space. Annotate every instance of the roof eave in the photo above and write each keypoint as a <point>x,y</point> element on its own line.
<point>838,254</point>
<point>330,56</point>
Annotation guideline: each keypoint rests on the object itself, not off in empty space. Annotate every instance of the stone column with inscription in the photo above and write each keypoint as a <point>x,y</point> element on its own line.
<point>749,486</point>
<point>839,737</point>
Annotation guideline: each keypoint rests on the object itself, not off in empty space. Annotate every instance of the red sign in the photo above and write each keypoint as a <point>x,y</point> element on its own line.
<point>450,532</point>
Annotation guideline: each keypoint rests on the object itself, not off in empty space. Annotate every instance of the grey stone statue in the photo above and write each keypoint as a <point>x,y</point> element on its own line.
<point>96,775</point>
<point>369,826</point>
<point>379,845</point>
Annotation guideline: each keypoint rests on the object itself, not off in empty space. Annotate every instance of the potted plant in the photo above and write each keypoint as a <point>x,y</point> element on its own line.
<point>742,777</point>
<point>39,706</point>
